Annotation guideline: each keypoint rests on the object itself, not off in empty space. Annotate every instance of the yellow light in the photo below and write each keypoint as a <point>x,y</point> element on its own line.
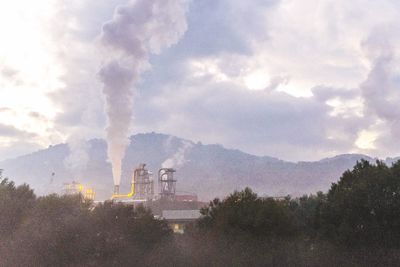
<point>89,193</point>
<point>129,195</point>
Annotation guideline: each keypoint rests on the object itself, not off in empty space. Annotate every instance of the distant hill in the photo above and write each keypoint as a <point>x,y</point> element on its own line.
<point>208,170</point>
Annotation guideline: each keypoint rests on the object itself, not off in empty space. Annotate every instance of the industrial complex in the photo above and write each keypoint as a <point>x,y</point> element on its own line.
<point>177,209</point>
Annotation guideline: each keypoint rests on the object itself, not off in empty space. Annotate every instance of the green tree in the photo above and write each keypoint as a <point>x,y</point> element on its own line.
<point>57,233</point>
<point>363,208</point>
<point>16,203</point>
<point>307,210</point>
<point>245,212</point>
<point>124,234</point>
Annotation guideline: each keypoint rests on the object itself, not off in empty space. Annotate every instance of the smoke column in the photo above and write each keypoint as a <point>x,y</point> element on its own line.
<point>78,157</point>
<point>178,159</point>
<point>137,29</point>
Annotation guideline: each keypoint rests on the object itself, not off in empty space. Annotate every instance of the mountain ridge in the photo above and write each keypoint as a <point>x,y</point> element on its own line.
<point>209,170</point>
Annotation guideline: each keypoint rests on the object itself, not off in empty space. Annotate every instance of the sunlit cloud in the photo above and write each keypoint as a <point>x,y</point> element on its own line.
<point>366,140</point>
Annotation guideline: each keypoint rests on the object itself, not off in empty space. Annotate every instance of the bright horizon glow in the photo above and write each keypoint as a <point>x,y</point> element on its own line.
<point>28,67</point>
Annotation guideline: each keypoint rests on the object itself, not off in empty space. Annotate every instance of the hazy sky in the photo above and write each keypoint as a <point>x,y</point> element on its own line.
<point>298,80</point>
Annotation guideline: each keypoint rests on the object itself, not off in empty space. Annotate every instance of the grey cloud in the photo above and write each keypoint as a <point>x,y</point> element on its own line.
<point>256,121</point>
<point>324,93</point>
<point>81,102</point>
<point>11,75</point>
<point>227,26</point>
<point>170,100</point>
<point>37,116</point>
<point>380,90</point>
<point>214,28</point>
<point>11,131</point>
<point>211,30</point>
<point>89,15</point>
<point>8,72</point>
<point>81,105</point>
<point>277,81</point>
<point>17,148</point>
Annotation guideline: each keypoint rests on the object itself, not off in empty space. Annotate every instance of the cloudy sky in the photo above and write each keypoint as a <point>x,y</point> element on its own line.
<point>298,80</point>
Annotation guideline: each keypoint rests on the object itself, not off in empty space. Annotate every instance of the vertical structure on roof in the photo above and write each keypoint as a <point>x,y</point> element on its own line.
<point>144,187</point>
<point>75,188</point>
<point>167,183</point>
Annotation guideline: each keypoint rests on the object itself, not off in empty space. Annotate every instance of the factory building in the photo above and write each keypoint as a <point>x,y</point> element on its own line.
<point>178,210</point>
<point>179,219</point>
<point>74,188</point>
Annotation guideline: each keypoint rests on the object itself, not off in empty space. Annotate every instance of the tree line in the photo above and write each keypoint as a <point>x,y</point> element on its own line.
<point>356,223</point>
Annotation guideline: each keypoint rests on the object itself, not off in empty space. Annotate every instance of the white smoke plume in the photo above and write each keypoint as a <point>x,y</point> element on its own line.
<point>137,29</point>
<point>78,158</point>
<point>179,158</point>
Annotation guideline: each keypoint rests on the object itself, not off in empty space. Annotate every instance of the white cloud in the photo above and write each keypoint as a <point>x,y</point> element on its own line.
<point>320,88</point>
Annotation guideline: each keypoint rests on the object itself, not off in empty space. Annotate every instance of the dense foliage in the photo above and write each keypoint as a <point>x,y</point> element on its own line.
<point>245,213</point>
<point>357,223</point>
<point>363,208</point>
<point>67,231</point>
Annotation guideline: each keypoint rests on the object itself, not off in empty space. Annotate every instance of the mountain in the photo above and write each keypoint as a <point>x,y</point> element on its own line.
<point>208,170</point>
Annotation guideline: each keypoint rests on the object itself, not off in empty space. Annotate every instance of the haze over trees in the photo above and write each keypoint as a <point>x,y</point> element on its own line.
<point>356,223</point>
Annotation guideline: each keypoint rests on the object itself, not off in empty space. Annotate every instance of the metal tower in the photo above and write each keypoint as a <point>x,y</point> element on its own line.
<point>167,183</point>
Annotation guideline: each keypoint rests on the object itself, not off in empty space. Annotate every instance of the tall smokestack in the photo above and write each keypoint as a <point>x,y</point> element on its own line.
<point>116,189</point>
<point>136,30</point>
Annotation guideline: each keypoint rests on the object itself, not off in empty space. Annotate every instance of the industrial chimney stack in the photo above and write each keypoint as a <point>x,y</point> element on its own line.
<point>116,189</point>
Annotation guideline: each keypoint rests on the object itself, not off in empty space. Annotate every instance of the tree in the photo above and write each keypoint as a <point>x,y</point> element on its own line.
<point>66,230</point>
<point>57,233</point>
<point>16,203</point>
<point>307,210</point>
<point>363,208</point>
<point>245,213</point>
<point>124,234</point>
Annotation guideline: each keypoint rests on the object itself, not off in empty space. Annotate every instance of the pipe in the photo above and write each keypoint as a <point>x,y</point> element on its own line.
<point>116,189</point>
<point>130,194</point>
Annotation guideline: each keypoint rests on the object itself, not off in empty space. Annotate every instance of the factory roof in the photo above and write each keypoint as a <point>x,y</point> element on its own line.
<point>181,214</point>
